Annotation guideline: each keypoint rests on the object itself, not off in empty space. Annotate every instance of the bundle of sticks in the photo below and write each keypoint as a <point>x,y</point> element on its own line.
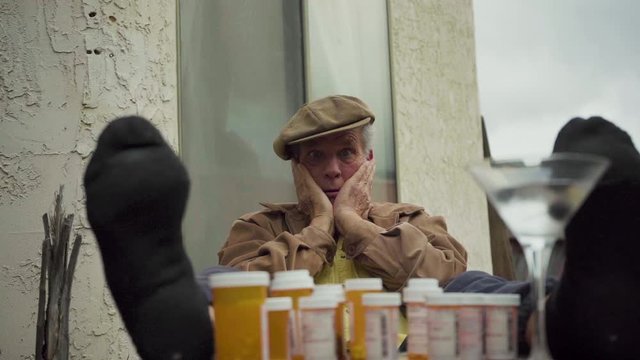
<point>56,277</point>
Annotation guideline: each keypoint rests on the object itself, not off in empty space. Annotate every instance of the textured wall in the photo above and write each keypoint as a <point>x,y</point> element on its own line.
<point>437,118</point>
<point>66,68</point>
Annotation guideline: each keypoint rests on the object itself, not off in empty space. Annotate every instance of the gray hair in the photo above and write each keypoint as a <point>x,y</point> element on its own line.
<point>367,138</point>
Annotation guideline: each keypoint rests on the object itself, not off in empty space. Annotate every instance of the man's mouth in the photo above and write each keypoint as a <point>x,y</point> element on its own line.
<point>332,193</point>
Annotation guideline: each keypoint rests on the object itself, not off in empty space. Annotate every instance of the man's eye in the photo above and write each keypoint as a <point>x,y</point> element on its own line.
<point>347,154</point>
<point>314,156</point>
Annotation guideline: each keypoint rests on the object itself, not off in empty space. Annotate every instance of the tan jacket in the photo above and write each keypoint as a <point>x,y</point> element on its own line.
<point>413,244</point>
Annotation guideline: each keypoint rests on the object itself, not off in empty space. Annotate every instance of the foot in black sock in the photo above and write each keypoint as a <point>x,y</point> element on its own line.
<point>136,191</point>
<point>593,313</point>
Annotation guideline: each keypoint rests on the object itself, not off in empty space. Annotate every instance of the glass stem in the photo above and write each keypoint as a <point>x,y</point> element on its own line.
<point>537,252</point>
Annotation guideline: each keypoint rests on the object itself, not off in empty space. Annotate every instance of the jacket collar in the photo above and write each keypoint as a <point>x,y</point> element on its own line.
<point>385,215</point>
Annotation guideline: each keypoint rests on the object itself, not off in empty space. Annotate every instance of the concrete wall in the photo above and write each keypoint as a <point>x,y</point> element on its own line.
<point>437,116</point>
<point>66,69</point>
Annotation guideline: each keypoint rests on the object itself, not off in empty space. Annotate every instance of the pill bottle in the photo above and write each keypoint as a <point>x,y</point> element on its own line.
<point>354,289</point>
<point>414,298</point>
<point>317,317</point>
<point>238,299</point>
<point>279,332</point>
<point>501,326</point>
<point>294,284</point>
<point>470,326</point>
<point>442,343</point>
<point>337,291</point>
<point>382,313</point>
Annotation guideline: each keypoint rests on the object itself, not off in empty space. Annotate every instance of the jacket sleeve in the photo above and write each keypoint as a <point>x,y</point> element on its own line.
<point>418,246</point>
<point>254,244</point>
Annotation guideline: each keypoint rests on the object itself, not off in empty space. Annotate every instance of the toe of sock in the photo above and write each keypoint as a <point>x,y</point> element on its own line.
<point>130,131</point>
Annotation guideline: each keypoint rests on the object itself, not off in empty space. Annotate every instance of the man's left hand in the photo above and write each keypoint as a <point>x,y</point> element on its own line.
<point>355,194</point>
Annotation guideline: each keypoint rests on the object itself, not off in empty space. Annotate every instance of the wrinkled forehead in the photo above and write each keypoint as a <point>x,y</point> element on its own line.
<point>352,137</point>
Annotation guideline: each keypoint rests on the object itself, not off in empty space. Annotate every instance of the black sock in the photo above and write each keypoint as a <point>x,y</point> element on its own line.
<point>137,190</point>
<point>593,314</point>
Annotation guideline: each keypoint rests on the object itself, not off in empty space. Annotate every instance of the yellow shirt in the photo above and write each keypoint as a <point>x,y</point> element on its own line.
<point>343,269</point>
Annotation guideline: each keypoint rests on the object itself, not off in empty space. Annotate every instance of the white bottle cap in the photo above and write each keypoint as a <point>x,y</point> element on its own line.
<point>317,302</point>
<point>374,284</point>
<point>413,294</point>
<point>335,290</point>
<point>472,299</point>
<point>422,283</point>
<point>291,274</point>
<point>381,299</point>
<point>278,304</point>
<point>502,299</point>
<point>446,299</point>
<point>239,279</point>
<point>293,283</point>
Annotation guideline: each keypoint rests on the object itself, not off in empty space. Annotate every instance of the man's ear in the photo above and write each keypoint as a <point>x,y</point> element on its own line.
<point>370,155</point>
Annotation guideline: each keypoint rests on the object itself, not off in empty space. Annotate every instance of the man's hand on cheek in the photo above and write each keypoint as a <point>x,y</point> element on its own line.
<point>311,200</point>
<point>355,195</point>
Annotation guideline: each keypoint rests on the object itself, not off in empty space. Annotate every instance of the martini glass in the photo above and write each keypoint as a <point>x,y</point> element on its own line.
<point>536,199</point>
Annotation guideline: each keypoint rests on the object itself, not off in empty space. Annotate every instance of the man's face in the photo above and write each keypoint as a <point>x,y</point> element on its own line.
<point>333,159</point>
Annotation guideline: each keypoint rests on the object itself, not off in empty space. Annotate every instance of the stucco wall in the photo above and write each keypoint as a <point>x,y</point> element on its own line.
<point>437,116</point>
<point>66,69</point>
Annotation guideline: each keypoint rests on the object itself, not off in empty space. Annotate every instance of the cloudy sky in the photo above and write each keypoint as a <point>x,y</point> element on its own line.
<point>543,62</point>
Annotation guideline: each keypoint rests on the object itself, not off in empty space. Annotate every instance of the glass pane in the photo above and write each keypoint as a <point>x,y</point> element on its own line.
<point>241,79</point>
<point>347,52</point>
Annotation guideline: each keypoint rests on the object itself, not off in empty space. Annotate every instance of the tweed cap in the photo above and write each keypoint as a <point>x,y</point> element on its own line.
<point>322,117</point>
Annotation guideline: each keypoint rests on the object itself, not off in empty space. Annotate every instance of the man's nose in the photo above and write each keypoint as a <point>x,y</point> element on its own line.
<point>332,169</point>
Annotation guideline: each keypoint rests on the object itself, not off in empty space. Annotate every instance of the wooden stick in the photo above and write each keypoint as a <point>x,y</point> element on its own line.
<point>63,348</point>
<point>42,297</point>
<point>56,278</point>
<point>65,234</point>
<point>48,228</point>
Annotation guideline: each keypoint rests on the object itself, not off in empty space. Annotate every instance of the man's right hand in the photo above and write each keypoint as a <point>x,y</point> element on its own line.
<point>311,199</point>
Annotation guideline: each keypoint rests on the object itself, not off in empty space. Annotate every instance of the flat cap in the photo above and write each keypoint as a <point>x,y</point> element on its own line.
<point>322,117</point>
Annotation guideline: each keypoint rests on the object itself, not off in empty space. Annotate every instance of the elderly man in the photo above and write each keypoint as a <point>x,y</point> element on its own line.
<point>335,230</point>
